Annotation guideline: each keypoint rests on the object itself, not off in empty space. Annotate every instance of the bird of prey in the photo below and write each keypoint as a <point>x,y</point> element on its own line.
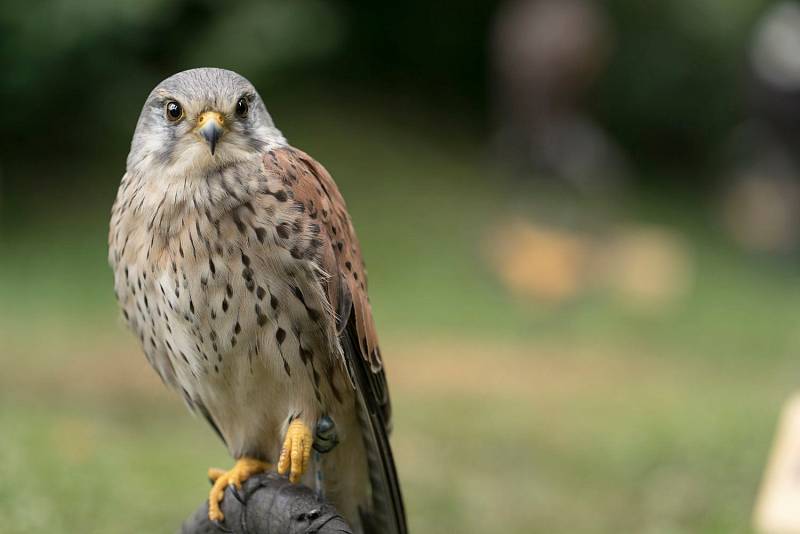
<point>236,264</point>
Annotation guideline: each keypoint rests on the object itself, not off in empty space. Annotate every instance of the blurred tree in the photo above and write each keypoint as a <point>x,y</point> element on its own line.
<point>546,57</point>
<point>75,73</point>
<point>78,62</point>
<point>673,88</point>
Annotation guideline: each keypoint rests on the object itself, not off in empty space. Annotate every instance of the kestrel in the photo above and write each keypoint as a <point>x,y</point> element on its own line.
<point>236,264</point>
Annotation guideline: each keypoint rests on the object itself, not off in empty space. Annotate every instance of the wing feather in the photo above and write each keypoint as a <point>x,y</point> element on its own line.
<point>315,192</point>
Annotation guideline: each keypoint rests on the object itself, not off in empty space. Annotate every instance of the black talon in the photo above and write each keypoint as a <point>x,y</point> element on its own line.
<point>237,495</point>
<point>325,435</point>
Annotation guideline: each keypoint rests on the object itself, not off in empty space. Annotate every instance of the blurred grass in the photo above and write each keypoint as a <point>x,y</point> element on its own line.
<point>510,416</point>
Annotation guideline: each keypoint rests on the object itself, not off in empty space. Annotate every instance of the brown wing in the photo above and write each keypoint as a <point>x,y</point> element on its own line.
<point>315,192</point>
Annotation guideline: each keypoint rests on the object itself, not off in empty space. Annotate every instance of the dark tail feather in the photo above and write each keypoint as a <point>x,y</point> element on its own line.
<point>387,513</point>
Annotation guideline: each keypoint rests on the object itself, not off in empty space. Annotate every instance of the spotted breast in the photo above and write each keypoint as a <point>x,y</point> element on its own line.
<point>229,299</point>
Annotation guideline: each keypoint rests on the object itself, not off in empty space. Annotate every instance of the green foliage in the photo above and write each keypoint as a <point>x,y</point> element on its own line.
<point>75,72</point>
<point>674,88</point>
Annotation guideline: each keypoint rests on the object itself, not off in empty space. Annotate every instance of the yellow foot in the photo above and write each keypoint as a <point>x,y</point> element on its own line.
<point>296,451</point>
<point>244,469</point>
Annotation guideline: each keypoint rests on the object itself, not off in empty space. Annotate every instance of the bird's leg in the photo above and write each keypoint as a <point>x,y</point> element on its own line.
<point>325,440</point>
<point>296,451</point>
<point>326,437</point>
<point>241,471</point>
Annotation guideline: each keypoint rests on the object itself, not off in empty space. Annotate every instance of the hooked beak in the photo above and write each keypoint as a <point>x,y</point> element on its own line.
<point>210,126</point>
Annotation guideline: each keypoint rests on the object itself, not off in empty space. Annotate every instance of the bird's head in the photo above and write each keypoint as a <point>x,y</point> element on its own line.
<point>200,119</point>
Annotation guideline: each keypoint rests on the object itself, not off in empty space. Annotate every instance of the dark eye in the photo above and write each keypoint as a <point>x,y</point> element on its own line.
<point>174,111</point>
<point>242,106</point>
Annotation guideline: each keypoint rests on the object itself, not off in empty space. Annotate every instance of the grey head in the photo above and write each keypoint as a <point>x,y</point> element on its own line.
<point>200,119</point>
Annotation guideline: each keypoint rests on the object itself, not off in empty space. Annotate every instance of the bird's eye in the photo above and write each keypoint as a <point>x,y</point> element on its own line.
<point>174,111</point>
<point>241,107</point>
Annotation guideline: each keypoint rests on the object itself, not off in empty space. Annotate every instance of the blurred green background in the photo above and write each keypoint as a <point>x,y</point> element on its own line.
<point>563,357</point>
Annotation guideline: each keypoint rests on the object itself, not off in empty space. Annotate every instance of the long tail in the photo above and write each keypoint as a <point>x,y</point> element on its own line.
<point>387,513</point>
